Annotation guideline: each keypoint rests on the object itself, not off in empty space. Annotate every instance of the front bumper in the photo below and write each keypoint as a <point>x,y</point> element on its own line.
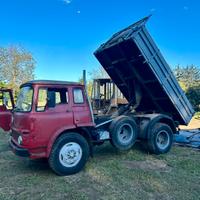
<point>19,151</point>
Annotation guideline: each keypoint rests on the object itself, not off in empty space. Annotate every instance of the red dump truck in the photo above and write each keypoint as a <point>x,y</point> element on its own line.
<point>54,119</point>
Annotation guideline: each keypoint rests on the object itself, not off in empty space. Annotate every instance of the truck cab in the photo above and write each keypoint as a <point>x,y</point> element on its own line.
<point>6,107</point>
<point>45,110</point>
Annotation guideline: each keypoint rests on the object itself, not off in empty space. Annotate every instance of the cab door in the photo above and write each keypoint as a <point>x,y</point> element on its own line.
<point>52,119</point>
<point>6,107</point>
<point>81,109</point>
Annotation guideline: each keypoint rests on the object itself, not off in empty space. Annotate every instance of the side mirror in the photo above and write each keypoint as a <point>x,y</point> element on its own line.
<point>51,99</point>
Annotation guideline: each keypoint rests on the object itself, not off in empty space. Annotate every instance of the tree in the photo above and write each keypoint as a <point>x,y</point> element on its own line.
<point>98,73</point>
<point>188,76</point>
<point>189,79</point>
<point>193,94</point>
<point>17,66</point>
<point>2,84</point>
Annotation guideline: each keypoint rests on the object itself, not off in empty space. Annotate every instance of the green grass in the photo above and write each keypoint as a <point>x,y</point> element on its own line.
<point>109,175</point>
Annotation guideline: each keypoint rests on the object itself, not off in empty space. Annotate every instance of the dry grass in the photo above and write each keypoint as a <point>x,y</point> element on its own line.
<point>109,175</point>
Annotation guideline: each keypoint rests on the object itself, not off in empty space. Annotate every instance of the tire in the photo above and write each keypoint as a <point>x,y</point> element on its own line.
<point>160,139</point>
<point>77,149</point>
<point>123,133</point>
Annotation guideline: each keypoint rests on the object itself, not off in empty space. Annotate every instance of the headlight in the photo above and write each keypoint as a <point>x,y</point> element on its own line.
<point>20,140</point>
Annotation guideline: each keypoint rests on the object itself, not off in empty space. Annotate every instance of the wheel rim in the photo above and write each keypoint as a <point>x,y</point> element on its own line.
<point>163,139</point>
<point>125,133</point>
<point>70,154</point>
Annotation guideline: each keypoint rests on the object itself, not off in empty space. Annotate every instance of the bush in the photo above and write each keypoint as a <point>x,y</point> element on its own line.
<point>193,94</point>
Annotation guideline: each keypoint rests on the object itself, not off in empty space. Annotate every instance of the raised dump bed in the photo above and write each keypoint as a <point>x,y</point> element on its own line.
<point>132,59</point>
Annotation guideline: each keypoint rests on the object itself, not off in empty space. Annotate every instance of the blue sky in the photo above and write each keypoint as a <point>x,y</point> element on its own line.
<point>63,34</point>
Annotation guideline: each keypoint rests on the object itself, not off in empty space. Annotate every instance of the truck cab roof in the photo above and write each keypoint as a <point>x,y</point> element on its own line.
<point>51,82</point>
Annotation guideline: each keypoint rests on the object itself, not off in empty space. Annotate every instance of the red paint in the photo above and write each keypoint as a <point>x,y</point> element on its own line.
<point>5,113</point>
<point>39,130</point>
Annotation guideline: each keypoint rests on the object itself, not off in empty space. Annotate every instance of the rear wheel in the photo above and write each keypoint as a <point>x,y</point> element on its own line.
<point>69,154</point>
<point>123,133</point>
<point>161,139</point>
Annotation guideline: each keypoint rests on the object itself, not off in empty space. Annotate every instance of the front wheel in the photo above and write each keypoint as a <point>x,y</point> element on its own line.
<point>69,154</point>
<point>160,139</point>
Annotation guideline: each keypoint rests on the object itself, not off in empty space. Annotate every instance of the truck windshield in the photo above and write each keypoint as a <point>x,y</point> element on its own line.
<point>24,99</point>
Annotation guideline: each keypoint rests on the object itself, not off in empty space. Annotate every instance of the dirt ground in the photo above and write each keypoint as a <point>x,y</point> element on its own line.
<point>194,124</point>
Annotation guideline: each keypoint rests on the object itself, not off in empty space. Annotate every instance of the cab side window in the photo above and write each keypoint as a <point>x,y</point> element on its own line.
<point>42,99</point>
<point>60,97</point>
<point>78,96</point>
<point>1,98</point>
<point>2,106</point>
<point>5,101</point>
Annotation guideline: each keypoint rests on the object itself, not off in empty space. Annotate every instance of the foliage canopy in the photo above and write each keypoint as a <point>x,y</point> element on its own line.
<point>189,79</point>
<point>17,66</point>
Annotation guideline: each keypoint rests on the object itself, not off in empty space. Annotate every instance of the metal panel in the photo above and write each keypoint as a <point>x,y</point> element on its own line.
<point>131,57</point>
